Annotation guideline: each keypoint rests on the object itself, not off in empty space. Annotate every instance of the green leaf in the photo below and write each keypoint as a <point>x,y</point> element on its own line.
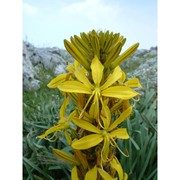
<point>31,164</point>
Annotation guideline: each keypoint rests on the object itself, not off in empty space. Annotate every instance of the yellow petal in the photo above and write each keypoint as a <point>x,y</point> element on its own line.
<point>105,115</point>
<point>125,176</point>
<point>82,158</point>
<point>120,133</point>
<point>122,118</point>
<point>68,137</point>
<point>74,86</point>
<point>112,78</point>
<point>74,97</point>
<point>54,83</point>
<point>72,115</point>
<point>124,55</point>
<point>121,92</point>
<point>76,54</point>
<point>52,130</point>
<point>74,174</point>
<point>87,117</point>
<point>86,125</point>
<point>134,82</point>
<point>63,108</point>
<point>91,174</point>
<point>70,68</point>
<point>87,141</point>
<point>76,64</point>
<point>97,70</point>
<point>104,174</point>
<point>105,150</point>
<point>123,77</point>
<point>116,106</point>
<point>94,109</point>
<point>65,157</point>
<point>82,77</point>
<point>117,166</point>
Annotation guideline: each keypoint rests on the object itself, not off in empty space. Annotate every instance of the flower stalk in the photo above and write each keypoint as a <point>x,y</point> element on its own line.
<point>102,95</point>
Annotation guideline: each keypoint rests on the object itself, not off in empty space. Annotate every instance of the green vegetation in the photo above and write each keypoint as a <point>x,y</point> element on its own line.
<point>40,112</point>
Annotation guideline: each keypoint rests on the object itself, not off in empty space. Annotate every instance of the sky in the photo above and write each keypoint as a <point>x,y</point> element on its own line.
<point>46,23</point>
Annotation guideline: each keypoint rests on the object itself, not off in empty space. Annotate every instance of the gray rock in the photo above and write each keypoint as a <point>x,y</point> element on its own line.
<point>38,62</point>
<point>143,65</point>
<point>29,81</point>
<point>40,65</point>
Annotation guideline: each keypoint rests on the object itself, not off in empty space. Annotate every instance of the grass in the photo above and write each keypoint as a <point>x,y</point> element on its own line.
<point>142,146</point>
<point>40,111</point>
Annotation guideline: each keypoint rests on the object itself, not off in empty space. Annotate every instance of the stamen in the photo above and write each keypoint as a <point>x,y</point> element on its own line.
<point>82,112</point>
<point>115,144</point>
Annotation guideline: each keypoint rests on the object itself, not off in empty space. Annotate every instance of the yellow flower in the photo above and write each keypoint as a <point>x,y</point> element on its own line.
<point>107,134</point>
<point>92,173</point>
<point>99,87</point>
<point>54,83</point>
<point>63,124</point>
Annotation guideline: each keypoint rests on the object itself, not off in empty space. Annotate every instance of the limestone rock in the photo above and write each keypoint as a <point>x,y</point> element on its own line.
<point>38,62</point>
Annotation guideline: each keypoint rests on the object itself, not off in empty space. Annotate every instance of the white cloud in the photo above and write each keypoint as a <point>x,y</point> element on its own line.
<point>95,10</point>
<point>29,10</point>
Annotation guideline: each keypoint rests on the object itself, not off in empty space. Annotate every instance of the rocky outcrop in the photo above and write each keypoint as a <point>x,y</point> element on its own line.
<point>37,60</point>
<point>40,65</point>
<point>143,65</point>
